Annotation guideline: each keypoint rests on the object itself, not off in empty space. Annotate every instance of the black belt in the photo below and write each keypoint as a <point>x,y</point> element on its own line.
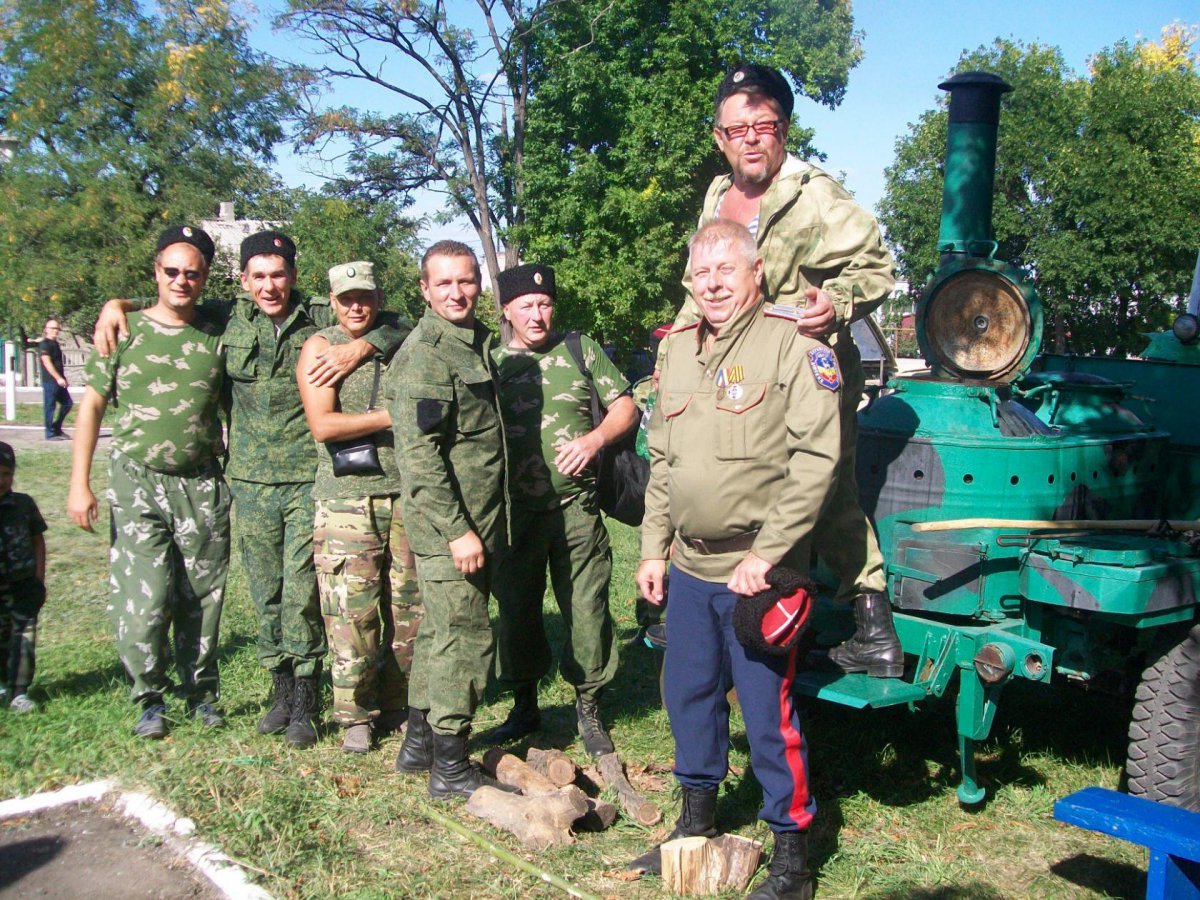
<point>721,545</point>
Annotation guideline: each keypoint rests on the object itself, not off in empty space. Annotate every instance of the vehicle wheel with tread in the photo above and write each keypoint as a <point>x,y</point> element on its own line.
<point>1164,732</point>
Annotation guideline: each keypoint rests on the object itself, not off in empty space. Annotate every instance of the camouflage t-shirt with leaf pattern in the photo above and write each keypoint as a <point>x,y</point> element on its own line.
<point>545,401</point>
<point>165,383</point>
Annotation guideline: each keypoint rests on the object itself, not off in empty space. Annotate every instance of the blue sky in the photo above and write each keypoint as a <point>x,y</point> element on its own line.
<point>909,46</point>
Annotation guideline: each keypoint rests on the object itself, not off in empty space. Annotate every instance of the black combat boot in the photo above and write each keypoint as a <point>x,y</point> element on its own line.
<point>788,877</point>
<point>696,819</point>
<point>874,648</point>
<point>453,774</point>
<point>587,714</point>
<point>524,718</point>
<point>306,710</point>
<point>416,753</point>
<point>276,719</point>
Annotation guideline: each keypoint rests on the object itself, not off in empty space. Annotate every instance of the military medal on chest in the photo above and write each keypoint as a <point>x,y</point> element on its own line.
<point>729,381</point>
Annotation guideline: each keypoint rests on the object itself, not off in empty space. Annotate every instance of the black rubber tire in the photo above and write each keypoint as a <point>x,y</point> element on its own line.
<point>1164,732</point>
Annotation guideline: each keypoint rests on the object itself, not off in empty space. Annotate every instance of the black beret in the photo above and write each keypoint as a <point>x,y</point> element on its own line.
<point>187,234</point>
<point>8,458</point>
<point>749,612</point>
<point>756,79</point>
<point>268,243</point>
<point>527,279</point>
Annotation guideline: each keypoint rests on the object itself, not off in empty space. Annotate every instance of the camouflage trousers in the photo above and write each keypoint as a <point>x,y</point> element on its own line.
<point>370,602</point>
<point>275,535</point>
<point>574,542</point>
<point>20,603</point>
<point>453,652</point>
<point>167,566</point>
<point>843,537</point>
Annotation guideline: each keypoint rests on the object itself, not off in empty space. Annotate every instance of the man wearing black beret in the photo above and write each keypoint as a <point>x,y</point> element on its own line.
<point>545,398</point>
<point>272,462</point>
<point>167,497</point>
<point>825,262</point>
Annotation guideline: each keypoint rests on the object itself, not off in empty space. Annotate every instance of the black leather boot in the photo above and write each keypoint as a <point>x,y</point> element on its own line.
<point>587,717</point>
<point>524,718</point>
<point>306,710</point>
<point>874,648</point>
<point>276,719</point>
<point>453,774</point>
<point>416,753</point>
<point>696,819</point>
<point>788,877</point>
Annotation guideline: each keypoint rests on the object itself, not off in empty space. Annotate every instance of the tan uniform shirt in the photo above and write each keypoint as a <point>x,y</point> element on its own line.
<point>744,437</point>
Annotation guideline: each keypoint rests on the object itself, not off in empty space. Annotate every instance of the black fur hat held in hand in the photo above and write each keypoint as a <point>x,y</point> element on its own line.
<point>772,621</point>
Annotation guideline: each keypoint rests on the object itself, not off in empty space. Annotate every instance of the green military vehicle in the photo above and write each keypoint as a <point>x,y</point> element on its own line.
<point>1027,505</point>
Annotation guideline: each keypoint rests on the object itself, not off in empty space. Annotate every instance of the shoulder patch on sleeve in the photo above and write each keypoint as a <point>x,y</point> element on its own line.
<point>825,368</point>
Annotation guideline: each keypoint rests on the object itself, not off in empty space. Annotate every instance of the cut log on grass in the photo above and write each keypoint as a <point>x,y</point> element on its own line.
<point>632,803</point>
<point>698,866</point>
<point>692,867</point>
<point>600,815</point>
<point>537,822</point>
<point>511,770</point>
<point>741,860</point>
<point>554,764</point>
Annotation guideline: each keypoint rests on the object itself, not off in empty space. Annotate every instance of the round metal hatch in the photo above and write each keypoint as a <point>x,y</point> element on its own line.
<point>980,322</point>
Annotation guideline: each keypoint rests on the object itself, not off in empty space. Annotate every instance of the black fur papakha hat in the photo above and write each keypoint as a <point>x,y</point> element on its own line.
<point>772,621</point>
<point>268,243</point>
<point>530,278</point>
<point>187,234</point>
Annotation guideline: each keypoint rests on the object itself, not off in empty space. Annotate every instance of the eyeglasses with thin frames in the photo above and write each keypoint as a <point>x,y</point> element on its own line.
<point>762,129</point>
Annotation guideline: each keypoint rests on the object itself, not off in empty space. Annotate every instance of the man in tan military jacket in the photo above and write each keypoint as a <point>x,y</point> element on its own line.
<point>743,448</point>
<point>823,256</point>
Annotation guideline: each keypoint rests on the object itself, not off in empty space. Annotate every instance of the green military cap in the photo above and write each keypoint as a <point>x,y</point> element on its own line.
<point>352,276</point>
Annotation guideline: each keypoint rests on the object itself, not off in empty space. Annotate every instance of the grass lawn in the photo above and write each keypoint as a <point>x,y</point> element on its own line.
<point>321,823</point>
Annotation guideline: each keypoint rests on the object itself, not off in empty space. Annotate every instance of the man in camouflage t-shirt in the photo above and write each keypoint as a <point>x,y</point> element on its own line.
<point>546,403</point>
<point>169,501</point>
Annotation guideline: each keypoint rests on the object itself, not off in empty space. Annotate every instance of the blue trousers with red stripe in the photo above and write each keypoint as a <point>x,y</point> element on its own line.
<point>703,660</point>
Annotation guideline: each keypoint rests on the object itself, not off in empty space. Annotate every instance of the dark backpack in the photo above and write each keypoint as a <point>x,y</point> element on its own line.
<point>621,474</point>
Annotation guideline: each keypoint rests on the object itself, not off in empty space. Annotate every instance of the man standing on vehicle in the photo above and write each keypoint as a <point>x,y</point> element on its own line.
<point>443,400</point>
<point>552,444</point>
<point>823,256</point>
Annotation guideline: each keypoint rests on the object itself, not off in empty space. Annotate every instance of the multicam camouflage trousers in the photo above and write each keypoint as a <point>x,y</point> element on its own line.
<point>273,523</point>
<point>370,602</point>
<point>169,559</point>
<point>20,603</point>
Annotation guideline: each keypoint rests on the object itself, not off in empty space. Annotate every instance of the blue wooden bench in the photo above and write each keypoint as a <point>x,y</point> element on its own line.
<point>1172,836</point>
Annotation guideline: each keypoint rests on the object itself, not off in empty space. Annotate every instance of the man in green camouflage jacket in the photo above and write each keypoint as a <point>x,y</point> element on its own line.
<point>443,400</point>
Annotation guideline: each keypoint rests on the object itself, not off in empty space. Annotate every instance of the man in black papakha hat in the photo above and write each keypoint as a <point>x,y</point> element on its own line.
<point>168,500</point>
<point>272,461</point>
<point>552,444</point>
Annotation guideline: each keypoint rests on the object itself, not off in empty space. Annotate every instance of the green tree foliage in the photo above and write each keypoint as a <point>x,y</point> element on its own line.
<point>330,230</point>
<point>620,150</point>
<point>1097,183</point>
<point>126,120</point>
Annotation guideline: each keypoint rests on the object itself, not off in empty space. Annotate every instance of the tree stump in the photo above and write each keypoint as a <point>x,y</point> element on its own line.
<point>741,860</point>
<point>692,867</point>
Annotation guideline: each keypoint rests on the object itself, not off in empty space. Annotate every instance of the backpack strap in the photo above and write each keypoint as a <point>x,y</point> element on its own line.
<point>575,347</point>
